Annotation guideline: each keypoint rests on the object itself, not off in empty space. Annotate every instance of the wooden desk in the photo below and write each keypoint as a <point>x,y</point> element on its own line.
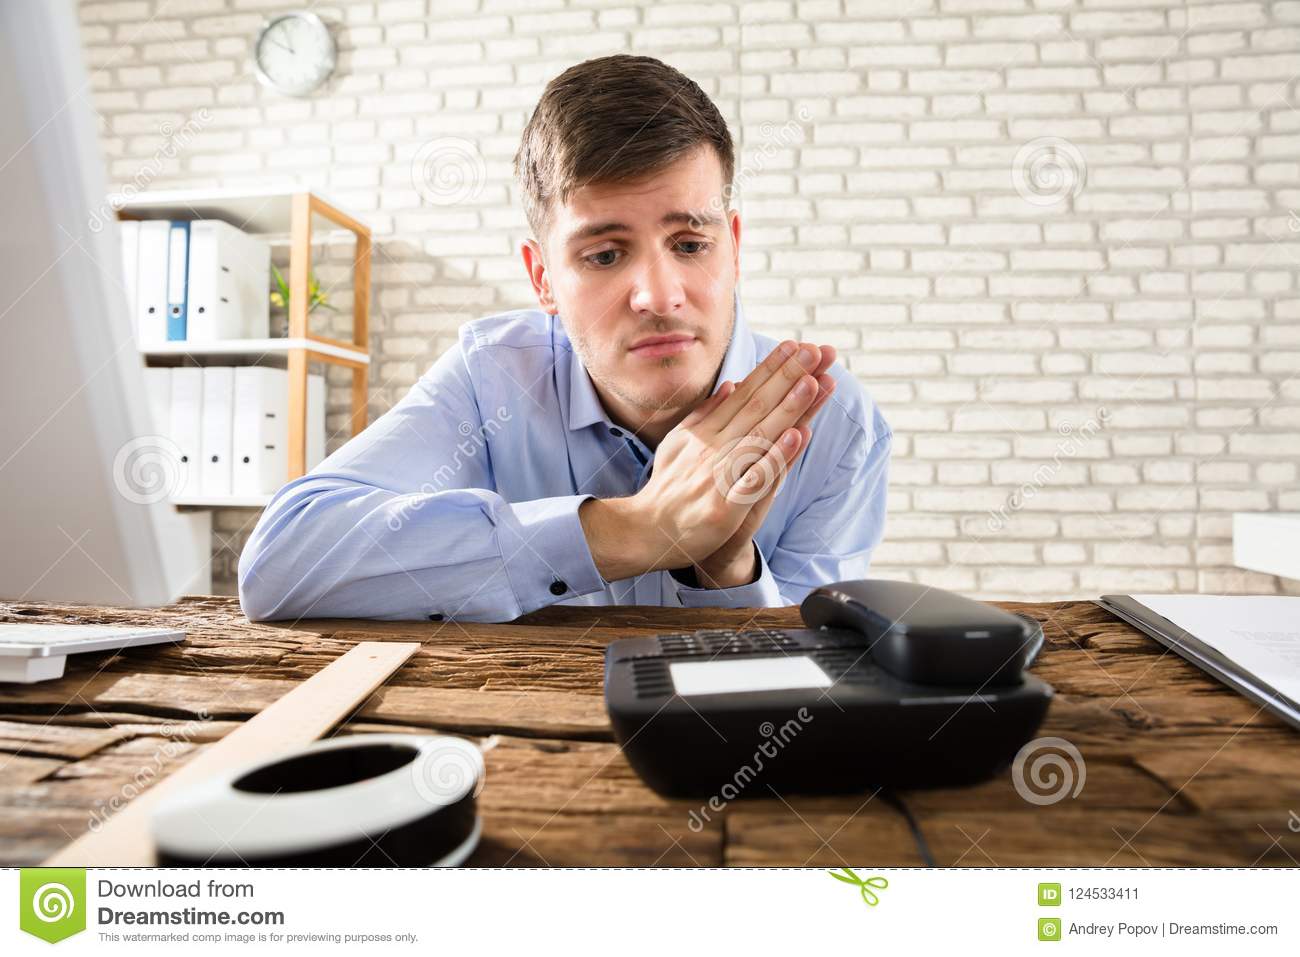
<point>1179,770</point>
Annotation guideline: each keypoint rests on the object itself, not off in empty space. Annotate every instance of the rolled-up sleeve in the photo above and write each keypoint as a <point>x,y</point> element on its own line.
<point>401,523</point>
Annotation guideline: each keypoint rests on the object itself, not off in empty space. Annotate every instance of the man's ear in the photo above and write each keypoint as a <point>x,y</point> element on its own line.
<point>734,222</point>
<point>536,270</point>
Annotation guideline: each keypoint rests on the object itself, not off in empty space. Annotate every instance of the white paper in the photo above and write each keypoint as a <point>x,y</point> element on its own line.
<point>728,676</point>
<point>1261,633</point>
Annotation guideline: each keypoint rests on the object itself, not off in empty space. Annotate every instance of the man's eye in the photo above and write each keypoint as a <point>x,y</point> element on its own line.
<point>603,262</point>
<point>703,246</point>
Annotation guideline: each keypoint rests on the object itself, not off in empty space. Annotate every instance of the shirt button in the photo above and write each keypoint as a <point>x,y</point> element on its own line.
<point>558,587</point>
<point>435,617</point>
<point>614,431</point>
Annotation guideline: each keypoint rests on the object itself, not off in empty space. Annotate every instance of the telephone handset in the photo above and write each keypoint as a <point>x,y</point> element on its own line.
<point>928,635</point>
<point>891,683</point>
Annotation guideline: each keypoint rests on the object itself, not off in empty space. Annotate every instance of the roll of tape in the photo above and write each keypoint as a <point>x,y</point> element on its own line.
<point>370,800</point>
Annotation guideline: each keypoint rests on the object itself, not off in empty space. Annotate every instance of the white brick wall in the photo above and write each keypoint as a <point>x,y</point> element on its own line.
<point>1086,375</point>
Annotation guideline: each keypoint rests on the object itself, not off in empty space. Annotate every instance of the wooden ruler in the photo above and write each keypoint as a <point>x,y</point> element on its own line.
<point>297,719</point>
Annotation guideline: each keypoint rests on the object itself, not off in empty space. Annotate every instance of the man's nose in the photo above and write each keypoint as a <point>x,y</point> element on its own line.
<point>657,288</point>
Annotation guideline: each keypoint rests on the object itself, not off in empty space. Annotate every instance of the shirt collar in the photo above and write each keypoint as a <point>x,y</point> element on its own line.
<point>585,408</point>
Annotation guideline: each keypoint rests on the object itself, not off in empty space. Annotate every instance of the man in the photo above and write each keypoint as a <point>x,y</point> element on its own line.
<point>631,442</point>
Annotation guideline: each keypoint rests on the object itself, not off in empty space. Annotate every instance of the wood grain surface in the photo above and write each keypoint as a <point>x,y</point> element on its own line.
<point>1175,769</point>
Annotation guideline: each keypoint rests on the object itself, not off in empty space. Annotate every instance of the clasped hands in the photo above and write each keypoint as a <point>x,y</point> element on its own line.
<point>715,475</point>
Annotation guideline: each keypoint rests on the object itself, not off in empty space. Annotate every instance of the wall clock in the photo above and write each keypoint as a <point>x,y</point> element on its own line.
<point>294,53</point>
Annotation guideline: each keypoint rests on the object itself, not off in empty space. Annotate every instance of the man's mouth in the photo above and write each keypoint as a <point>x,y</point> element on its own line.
<point>654,347</point>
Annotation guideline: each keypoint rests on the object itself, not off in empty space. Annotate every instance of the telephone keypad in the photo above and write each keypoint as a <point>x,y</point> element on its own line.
<point>711,642</point>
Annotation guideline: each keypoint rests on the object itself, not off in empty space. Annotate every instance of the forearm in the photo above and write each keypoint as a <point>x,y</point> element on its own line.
<point>622,543</point>
<point>329,547</point>
<point>721,571</point>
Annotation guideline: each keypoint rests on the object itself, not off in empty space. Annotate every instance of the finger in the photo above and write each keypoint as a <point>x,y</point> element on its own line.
<point>758,512</point>
<point>747,386</point>
<point>780,401</point>
<point>826,383</point>
<point>759,474</point>
<point>787,413</point>
<point>753,400</point>
<point>805,434</point>
<point>828,359</point>
<point>709,404</point>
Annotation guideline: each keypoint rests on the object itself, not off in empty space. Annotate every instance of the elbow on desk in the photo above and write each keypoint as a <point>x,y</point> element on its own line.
<point>253,602</point>
<point>266,562</point>
<point>258,597</point>
<point>272,585</point>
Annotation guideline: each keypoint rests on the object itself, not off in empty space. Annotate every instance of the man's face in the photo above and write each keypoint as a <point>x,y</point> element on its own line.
<point>627,263</point>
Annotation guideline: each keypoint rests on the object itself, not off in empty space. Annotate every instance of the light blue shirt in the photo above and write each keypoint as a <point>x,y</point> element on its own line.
<point>461,502</point>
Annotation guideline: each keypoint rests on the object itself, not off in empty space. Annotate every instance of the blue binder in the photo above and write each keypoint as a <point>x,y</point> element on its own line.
<point>178,274</point>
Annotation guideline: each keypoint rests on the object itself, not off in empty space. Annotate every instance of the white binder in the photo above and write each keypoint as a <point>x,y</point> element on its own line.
<point>186,425</point>
<point>259,446</point>
<point>151,282</point>
<point>129,233</point>
<point>158,386</point>
<point>218,421</point>
<point>315,420</point>
<point>229,280</point>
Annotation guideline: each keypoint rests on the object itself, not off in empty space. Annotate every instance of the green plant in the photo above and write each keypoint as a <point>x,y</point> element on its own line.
<point>315,295</point>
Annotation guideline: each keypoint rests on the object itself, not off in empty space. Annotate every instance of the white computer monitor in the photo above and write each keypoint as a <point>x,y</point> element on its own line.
<point>76,522</point>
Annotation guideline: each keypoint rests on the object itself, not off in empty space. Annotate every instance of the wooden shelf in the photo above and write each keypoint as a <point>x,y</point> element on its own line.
<point>253,348</point>
<point>294,211</point>
<point>268,210</point>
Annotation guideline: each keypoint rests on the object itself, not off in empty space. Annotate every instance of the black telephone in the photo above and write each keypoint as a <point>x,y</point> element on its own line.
<point>892,683</point>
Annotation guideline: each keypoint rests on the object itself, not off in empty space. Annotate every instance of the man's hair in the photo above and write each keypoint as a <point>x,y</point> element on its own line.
<point>609,120</point>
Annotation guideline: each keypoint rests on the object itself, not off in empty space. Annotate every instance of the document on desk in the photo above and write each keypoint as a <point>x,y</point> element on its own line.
<point>1251,642</point>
